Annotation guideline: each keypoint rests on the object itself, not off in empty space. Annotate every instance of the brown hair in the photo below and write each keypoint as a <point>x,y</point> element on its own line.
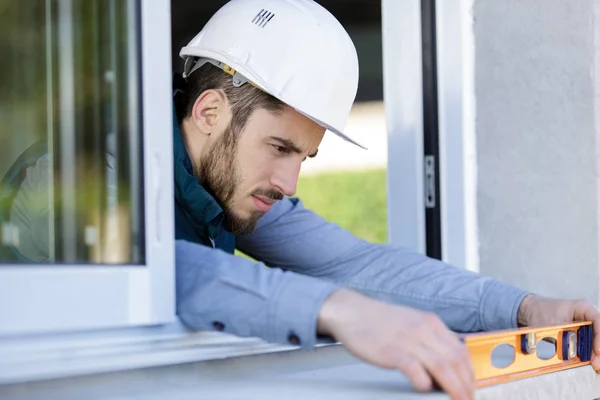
<point>243,99</point>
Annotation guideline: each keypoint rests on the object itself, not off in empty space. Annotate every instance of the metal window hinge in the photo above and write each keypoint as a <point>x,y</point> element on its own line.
<point>429,183</point>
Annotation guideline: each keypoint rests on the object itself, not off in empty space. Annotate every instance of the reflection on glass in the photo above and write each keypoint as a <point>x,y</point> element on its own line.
<point>70,156</point>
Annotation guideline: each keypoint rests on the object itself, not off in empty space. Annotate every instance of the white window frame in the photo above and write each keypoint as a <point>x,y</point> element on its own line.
<point>403,92</point>
<point>457,144</point>
<point>403,97</point>
<point>69,355</point>
<point>52,298</point>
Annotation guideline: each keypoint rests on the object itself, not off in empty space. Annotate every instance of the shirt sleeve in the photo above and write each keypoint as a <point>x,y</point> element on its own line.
<point>297,239</point>
<point>220,291</point>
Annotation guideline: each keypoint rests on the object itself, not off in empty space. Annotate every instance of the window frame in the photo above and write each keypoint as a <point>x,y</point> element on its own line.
<point>458,153</point>
<point>69,355</point>
<point>51,298</point>
<point>403,97</point>
<point>403,94</point>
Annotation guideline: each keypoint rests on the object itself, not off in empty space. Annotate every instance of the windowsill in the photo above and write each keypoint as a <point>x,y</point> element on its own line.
<point>170,362</point>
<point>326,373</point>
<point>68,355</point>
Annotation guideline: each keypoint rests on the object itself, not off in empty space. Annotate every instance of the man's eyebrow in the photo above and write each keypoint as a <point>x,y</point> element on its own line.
<point>291,145</point>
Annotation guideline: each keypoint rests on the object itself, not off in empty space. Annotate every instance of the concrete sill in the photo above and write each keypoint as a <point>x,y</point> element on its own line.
<point>324,373</point>
<point>172,363</point>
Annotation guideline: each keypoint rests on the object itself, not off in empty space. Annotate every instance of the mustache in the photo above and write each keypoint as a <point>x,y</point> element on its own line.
<point>268,193</point>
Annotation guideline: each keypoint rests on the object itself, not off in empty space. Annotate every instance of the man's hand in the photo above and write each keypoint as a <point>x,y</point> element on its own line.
<point>394,337</point>
<point>539,311</point>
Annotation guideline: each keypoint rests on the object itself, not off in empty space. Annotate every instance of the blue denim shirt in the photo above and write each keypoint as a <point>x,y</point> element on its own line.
<point>311,258</point>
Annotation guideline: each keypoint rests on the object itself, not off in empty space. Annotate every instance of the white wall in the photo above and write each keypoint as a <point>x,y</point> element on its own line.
<point>537,136</point>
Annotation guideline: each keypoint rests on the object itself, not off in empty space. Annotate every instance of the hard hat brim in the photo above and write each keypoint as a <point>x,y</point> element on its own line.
<point>333,130</point>
<point>257,81</point>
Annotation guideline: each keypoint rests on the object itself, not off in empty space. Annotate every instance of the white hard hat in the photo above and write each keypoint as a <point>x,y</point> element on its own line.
<point>294,50</point>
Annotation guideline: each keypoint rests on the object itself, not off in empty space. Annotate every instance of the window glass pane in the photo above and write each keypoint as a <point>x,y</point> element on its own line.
<point>71,155</point>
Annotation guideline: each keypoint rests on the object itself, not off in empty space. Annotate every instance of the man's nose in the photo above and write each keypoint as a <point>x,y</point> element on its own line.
<point>286,179</point>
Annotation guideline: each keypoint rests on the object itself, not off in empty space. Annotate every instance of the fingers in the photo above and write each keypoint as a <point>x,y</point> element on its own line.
<point>444,371</point>
<point>595,360</point>
<point>415,372</point>
<point>439,356</point>
<point>457,355</point>
<point>596,363</point>
<point>585,311</point>
<point>594,316</point>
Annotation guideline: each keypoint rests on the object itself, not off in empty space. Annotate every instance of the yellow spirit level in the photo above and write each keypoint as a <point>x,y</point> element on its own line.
<point>573,345</point>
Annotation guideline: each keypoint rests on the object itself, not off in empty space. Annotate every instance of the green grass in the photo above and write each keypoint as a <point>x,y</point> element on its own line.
<point>354,200</point>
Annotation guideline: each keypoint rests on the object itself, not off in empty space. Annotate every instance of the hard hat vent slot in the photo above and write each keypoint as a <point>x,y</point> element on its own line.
<point>262,18</point>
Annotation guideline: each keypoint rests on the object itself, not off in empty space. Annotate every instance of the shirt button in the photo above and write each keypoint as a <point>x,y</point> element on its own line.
<point>218,325</point>
<point>293,339</point>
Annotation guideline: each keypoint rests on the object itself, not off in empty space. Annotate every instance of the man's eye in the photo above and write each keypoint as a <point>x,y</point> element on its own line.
<point>281,149</point>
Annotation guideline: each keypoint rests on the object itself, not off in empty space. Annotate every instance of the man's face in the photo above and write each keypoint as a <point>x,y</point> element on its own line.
<point>248,171</point>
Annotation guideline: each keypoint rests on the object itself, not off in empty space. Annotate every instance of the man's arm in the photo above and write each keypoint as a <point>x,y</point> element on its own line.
<point>217,290</point>
<point>295,238</point>
<point>220,291</point>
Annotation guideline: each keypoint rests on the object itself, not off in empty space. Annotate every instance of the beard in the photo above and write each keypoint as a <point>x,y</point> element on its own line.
<point>219,174</point>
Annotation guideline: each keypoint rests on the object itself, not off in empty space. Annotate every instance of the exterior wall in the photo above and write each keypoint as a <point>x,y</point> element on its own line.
<point>535,68</point>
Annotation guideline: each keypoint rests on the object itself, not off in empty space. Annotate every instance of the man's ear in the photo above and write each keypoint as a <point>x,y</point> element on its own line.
<point>207,109</point>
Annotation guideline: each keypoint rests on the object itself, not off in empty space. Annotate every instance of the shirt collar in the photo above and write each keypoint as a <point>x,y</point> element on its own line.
<point>200,207</point>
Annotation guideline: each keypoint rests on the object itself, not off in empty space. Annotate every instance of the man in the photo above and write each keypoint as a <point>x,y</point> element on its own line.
<point>264,80</point>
